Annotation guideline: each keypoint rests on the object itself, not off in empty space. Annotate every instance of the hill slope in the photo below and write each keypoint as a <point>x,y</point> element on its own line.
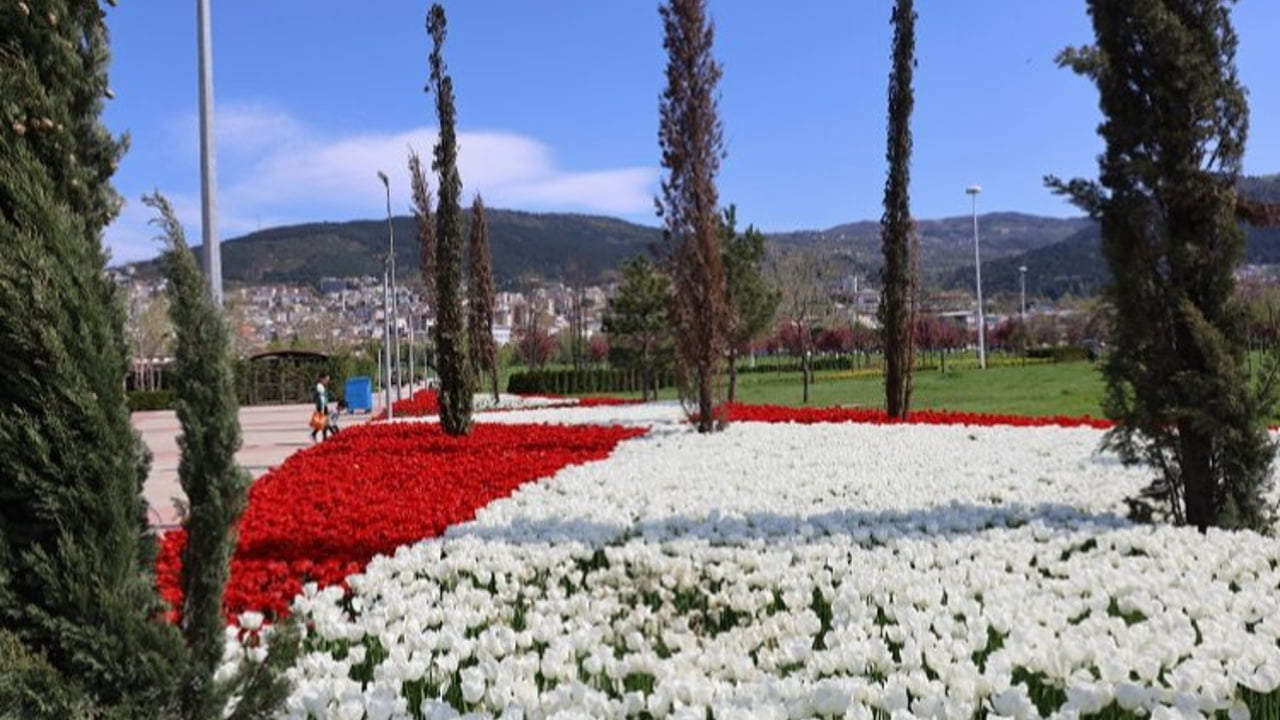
<point>521,242</point>
<point>945,244</point>
<point>1075,265</point>
<point>1062,254</point>
<point>544,243</point>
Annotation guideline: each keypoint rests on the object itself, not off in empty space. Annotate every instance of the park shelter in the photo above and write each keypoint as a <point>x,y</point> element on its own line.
<point>281,377</point>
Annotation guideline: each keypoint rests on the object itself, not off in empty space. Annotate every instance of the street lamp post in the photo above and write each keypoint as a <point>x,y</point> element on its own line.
<point>208,170</point>
<point>412,376</point>
<point>973,191</point>
<point>391,259</point>
<point>388,299</point>
<point>386,338</point>
<point>1022,290</point>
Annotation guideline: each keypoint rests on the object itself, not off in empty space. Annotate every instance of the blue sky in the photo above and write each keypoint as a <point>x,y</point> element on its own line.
<point>557,107</point>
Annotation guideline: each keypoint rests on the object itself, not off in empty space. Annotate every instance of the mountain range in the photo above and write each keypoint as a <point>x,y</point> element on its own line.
<point>1062,255</point>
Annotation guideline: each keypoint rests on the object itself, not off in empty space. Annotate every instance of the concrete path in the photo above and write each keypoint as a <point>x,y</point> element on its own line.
<point>269,434</point>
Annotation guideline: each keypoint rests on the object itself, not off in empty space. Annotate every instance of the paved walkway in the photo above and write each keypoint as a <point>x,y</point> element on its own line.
<point>269,434</point>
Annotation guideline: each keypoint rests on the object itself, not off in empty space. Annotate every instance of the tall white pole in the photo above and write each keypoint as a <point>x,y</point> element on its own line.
<point>1022,288</point>
<point>386,339</point>
<point>412,376</point>
<point>393,318</point>
<point>208,169</point>
<point>973,191</point>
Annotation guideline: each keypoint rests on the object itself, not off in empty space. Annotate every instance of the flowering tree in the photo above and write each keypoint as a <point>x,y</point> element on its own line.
<point>837,339</point>
<point>598,348</point>
<point>535,345</point>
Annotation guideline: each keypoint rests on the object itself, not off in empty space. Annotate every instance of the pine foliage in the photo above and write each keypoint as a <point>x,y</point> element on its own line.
<point>31,688</point>
<point>457,384</point>
<point>752,299</point>
<point>1178,384</point>
<point>638,322</point>
<point>215,487</point>
<point>56,107</point>
<point>76,592</point>
<point>897,306</point>
<point>690,137</point>
<point>425,225</point>
<point>480,297</point>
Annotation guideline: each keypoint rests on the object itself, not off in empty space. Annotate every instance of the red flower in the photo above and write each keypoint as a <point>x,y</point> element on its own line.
<point>370,489</point>
<point>420,404</point>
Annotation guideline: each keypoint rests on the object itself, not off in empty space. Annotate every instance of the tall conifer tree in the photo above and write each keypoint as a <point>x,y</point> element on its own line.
<point>689,135</point>
<point>1178,385</point>
<point>897,306</point>
<point>75,585</point>
<point>484,353</point>
<point>216,488</point>
<point>638,322</point>
<point>457,384</point>
<point>424,221</point>
<point>752,299</point>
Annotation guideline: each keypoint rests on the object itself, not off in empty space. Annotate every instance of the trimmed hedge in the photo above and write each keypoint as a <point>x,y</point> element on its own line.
<point>791,363</point>
<point>1060,353</point>
<point>571,382</point>
<point>151,400</point>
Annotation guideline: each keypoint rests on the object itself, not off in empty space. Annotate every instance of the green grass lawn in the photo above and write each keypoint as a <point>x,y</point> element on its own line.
<point>1068,388</point>
<point>1006,387</point>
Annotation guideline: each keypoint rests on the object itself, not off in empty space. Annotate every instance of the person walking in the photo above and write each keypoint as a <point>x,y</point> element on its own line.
<point>334,416</point>
<point>320,399</point>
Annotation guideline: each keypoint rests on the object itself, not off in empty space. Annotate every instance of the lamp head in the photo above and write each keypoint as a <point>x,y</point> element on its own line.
<point>383,177</point>
<point>973,189</point>
<point>1022,269</point>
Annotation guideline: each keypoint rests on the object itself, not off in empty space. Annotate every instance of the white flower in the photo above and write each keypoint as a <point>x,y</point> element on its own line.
<point>250,620</point>
<point>473,684</point>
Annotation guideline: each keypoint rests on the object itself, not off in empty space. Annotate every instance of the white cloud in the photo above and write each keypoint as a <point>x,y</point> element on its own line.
<point>255,127</point>
<point>275,169</point>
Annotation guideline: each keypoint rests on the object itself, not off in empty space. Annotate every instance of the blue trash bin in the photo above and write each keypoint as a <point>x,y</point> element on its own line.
<point>359,394</point>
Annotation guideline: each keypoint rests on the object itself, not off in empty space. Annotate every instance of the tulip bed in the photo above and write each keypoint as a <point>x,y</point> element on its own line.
<point>425,403</point>
<point>326,511</point>
<point>796,565</point>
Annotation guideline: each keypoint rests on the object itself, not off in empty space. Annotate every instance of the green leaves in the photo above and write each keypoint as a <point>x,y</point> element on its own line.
<point>1175,119</point>
<point>638,320</point>
<point>457,382</point>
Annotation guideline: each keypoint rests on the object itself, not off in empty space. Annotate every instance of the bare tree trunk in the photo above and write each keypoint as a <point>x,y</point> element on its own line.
<point>806,371</point>
<point>1197,476</point>
<point>733,374</point>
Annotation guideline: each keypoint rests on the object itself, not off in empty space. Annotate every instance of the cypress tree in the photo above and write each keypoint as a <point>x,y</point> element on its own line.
<point>64,46</point>
<point>425,223</point>
<point>216,488</point>
<point>484,353</point>
<point>456,381</point>
<point>689,135</point>
<point>1178,385</point>
<point>76,592</point>
<point>897,308</point>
